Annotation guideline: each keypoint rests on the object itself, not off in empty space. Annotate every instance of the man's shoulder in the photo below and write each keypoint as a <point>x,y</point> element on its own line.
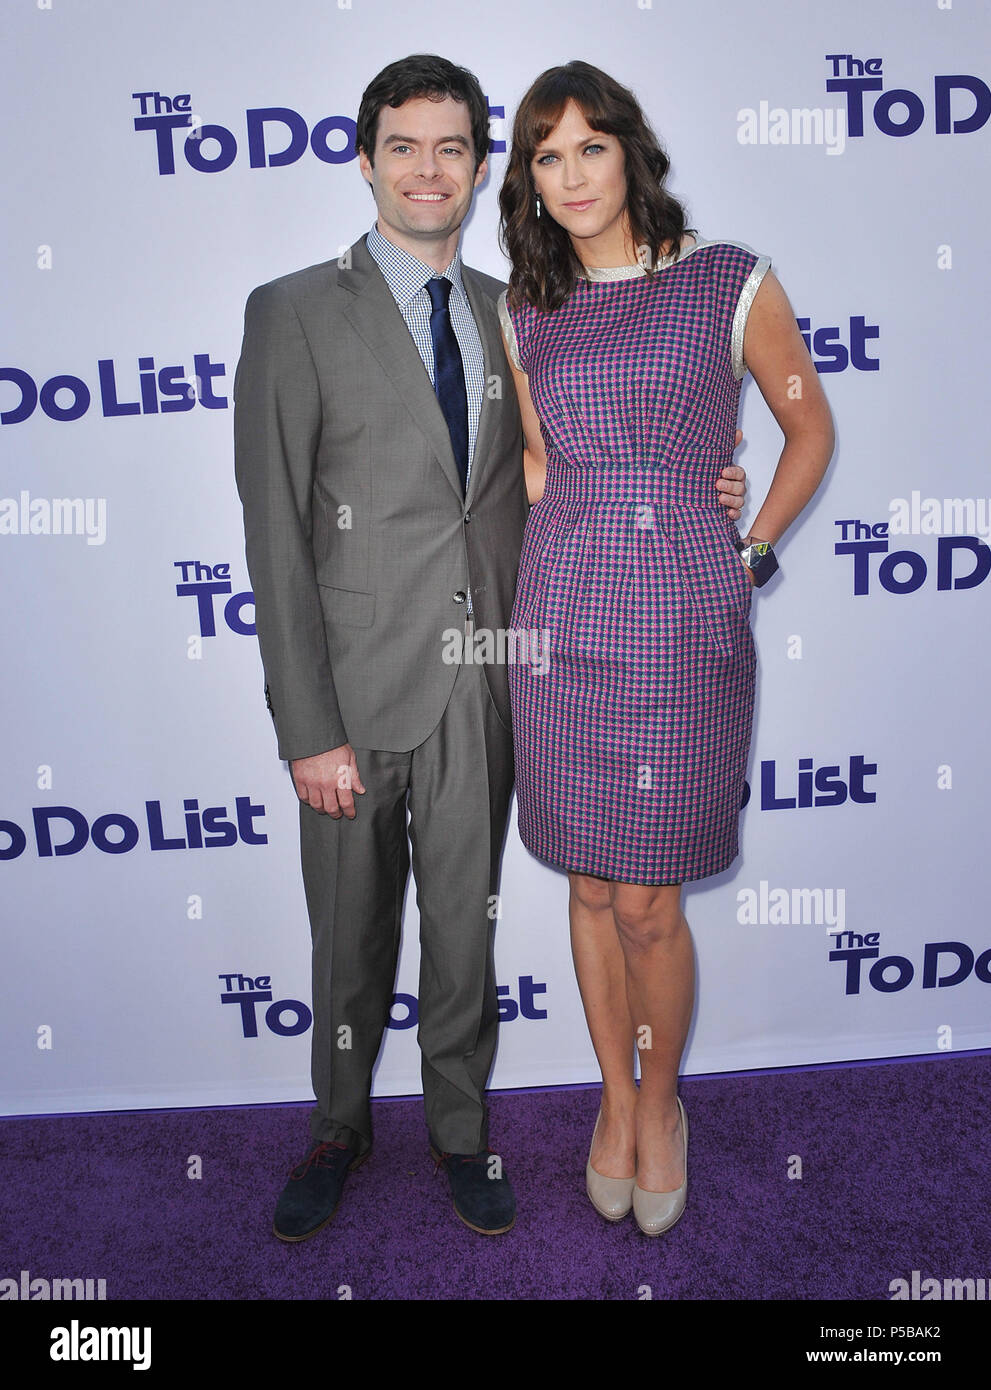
<point>297,283</point>
<point>487,284</point>
<point>322,278</point>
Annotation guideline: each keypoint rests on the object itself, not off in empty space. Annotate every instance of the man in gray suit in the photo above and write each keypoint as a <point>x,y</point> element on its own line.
<point>380,514</point>
<point>378,451</point>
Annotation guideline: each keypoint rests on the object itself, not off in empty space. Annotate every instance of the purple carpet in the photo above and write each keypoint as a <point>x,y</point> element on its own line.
<point>895,1173</point>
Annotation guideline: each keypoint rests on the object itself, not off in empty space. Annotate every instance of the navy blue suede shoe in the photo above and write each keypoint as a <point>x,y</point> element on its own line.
<point>483,1197</point>
<point>313,1193</point>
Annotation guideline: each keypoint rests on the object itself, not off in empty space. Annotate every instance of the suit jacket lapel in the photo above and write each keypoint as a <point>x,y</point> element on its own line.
<point>495,367</point>
<point>375,317</point>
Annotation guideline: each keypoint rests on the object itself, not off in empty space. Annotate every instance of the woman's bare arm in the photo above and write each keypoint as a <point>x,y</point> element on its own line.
<point>534,457</point>
<point>775,352</point>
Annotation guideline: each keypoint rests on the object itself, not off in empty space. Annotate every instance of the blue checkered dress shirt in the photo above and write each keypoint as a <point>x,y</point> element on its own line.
<point>407,278</point>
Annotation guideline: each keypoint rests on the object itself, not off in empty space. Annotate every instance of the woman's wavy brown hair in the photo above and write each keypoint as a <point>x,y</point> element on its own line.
<point>544,263</point>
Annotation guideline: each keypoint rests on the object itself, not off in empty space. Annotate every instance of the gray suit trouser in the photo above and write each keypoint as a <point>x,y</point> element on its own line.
<point>457,784</point>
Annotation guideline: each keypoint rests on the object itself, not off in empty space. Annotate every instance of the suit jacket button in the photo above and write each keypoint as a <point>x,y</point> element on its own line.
<point>460,596</point>
<point>467,517</point>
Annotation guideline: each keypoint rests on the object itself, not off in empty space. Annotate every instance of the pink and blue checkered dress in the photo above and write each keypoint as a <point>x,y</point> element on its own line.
<point>631,746</point>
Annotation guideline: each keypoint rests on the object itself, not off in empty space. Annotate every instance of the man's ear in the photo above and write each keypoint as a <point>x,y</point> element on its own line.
<point>481,171</point>
<point>365,165</point>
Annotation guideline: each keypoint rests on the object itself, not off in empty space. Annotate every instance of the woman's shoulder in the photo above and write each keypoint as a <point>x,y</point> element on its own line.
<point>689,242</point>
<point>718,248</point>
<point>503,307</point>
<point>508,329</point>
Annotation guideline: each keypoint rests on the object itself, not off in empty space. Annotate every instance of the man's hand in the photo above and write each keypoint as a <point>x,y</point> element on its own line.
<point>731,485</point>
<point>328,781</point>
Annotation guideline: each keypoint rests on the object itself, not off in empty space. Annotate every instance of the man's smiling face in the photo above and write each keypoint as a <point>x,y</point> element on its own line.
<point>424,175</point>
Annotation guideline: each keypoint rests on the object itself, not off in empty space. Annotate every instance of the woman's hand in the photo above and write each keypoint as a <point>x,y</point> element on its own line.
<point>731,485</point>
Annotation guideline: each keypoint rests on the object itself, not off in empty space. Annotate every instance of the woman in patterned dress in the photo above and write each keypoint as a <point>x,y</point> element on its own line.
<point>629,339</point>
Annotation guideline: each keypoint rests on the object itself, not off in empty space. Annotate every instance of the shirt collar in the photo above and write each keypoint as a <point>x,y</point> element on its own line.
<point>405,274</point>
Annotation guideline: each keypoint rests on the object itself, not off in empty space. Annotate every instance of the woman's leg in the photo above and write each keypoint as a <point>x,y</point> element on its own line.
<point>660,988</point>
<point>602,979</point>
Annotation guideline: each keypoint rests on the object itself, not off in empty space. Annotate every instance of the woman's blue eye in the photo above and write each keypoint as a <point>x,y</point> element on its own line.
<point>545,158</point>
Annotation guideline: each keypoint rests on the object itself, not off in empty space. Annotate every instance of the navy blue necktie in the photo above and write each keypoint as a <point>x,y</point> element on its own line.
<point>449,374</point>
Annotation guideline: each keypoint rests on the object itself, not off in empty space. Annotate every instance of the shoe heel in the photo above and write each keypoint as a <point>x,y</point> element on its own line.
<point>611,1197</point>
<point>657,1212</point>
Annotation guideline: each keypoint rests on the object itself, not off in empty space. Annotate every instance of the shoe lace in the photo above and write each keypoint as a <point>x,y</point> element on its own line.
<point>319,1157</point>
<point>481,1157</point>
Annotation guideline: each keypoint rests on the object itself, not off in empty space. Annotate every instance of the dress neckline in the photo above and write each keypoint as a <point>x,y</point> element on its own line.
<point>635,272</point>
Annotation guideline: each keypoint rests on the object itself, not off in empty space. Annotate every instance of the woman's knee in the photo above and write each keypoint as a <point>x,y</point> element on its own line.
<point>647,916</point>
<point>592,894</point>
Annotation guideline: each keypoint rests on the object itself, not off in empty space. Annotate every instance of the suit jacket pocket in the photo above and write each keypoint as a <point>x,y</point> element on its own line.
<point>347,606</point>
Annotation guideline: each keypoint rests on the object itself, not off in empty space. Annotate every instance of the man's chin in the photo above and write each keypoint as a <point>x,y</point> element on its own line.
<point>434,226</point>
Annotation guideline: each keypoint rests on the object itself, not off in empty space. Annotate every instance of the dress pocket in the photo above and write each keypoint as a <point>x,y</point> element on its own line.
<point>546,529</point>
<point>737,570</point>
<point>714,580</point>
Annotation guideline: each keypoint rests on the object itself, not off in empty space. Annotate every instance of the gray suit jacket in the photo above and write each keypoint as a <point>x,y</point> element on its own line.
<point>359,543</point>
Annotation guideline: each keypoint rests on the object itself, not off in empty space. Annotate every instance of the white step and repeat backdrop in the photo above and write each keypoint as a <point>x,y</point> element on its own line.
<point>162,159</point>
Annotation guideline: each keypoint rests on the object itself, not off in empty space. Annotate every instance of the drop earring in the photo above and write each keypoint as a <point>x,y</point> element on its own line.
<point>538,204</point>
